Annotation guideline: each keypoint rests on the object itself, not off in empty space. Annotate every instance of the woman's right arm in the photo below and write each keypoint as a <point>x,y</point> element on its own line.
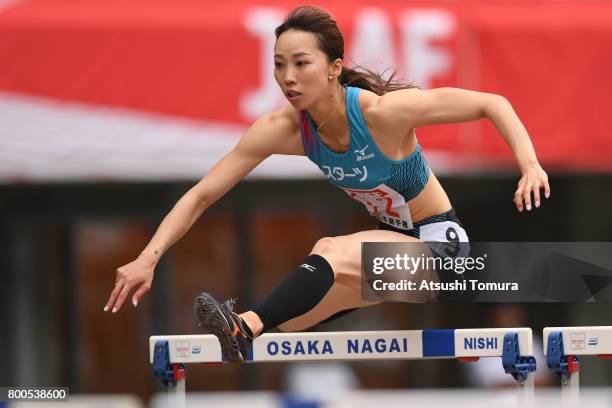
<point>275,133</point>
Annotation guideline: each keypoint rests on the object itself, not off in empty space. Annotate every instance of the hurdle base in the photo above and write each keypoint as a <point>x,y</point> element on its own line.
<point>177,394</point>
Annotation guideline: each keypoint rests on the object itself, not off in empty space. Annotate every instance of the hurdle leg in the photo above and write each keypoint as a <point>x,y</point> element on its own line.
<point>525,392</point>
<point>566,366</point>
<point>570,390</point>
<point>521,367</point>
<point>176,395</point>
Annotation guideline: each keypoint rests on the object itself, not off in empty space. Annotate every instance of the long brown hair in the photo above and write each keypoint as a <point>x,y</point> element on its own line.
<point>331,42</point>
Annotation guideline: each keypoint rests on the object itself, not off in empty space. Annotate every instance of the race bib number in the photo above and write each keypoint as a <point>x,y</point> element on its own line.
<point>386,204</point>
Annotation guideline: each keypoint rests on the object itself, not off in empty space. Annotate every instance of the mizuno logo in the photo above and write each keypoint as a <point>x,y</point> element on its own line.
<point>361,154</point>
<point>309,267</point>
<point>361,151</point>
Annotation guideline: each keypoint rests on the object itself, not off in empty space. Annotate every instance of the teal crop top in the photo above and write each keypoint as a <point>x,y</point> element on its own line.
<point>383,185</point>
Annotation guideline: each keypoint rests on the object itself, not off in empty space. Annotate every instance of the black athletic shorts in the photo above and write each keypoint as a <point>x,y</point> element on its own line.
<point>443,233</point>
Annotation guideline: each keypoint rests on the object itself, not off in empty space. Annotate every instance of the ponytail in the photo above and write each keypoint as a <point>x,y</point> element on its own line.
<point>364,78</point>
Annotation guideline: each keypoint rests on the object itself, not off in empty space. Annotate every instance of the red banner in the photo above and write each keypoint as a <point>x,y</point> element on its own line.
<point>212,63</point>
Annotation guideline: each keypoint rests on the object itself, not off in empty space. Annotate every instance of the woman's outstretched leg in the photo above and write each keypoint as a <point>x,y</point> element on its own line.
<point>343,254</point>
<point>327,282</point>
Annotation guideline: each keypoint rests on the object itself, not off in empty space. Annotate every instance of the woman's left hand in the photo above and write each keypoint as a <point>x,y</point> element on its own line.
<point>534,178</point>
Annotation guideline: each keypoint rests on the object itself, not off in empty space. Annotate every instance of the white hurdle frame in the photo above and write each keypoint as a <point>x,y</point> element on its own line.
<point>563,347</point>
<point>168,354</point>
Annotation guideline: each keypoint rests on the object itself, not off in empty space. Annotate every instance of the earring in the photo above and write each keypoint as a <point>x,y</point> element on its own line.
<point>329,77</point>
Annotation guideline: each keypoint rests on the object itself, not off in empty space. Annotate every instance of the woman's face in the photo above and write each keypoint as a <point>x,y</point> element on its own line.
<point>301,69</point>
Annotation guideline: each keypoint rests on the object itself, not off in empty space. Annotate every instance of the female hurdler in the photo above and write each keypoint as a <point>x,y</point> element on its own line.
<point>360,131</point>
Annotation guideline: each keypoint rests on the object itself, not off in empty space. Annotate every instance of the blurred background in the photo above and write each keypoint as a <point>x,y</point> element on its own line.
<point>111,110</point>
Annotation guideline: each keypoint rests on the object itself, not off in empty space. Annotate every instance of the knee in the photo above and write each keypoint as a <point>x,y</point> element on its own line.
<point>325,247</point>
<point>329,248</point>
<point>338,252</point>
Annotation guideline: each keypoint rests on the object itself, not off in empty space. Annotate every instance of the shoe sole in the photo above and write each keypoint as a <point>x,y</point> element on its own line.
<point>211,318</point>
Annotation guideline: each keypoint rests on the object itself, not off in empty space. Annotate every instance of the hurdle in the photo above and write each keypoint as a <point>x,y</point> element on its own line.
<point>170,354</point>
<point>563,347</point>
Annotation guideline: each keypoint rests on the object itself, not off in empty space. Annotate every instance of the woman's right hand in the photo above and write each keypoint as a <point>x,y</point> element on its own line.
<point>267,136</point>
<point>138,273</point>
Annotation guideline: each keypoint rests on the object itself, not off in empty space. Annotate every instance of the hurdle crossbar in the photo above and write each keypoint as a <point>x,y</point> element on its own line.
<point>563,347</point>
<point>169,353</point>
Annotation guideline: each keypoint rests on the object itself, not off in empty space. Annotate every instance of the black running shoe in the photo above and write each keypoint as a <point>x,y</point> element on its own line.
<point>219,319</point>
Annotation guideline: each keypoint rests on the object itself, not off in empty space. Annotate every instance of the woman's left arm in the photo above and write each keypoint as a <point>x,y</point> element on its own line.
<point>411,108</point>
